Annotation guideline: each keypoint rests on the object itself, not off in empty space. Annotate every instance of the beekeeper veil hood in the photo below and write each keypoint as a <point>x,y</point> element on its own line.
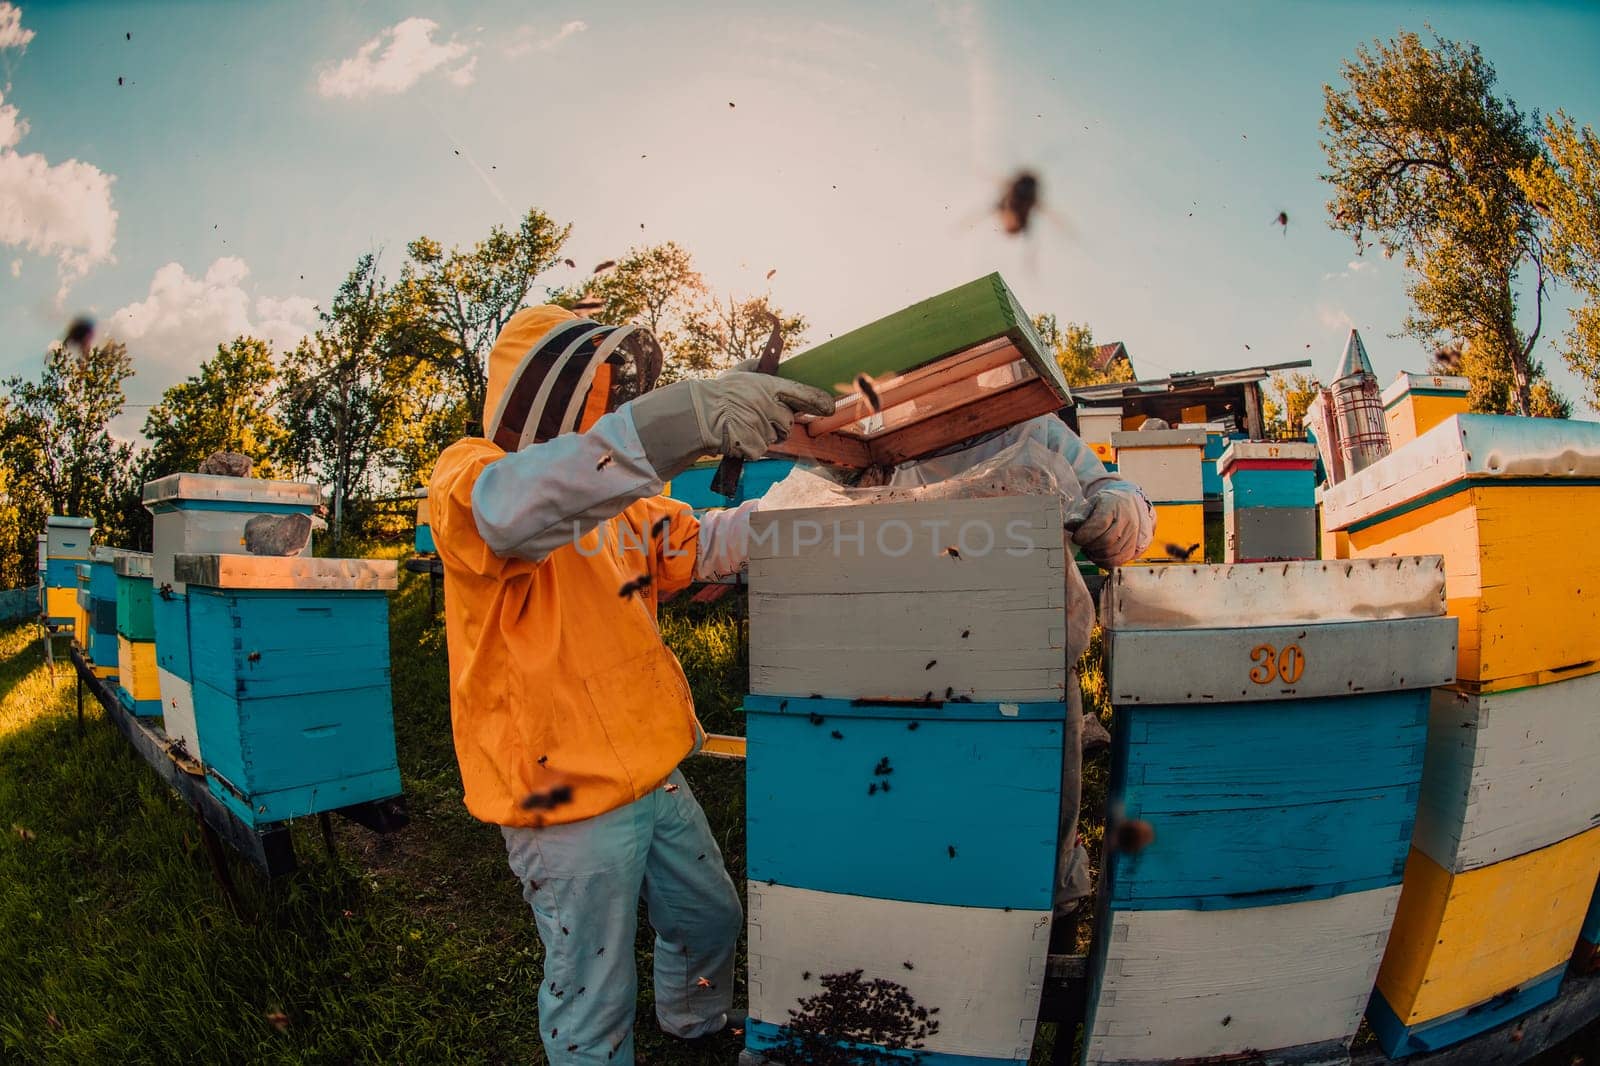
<point>552,372</point>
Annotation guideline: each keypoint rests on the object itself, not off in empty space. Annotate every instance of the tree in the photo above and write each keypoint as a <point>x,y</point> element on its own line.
<point>57,453</point>
<point>1422,154</point>
<point>1564,186</point>
<point>227,406</point>
<point>1284,409</point>
<point>450,306</point>
<point>721,332</point>
<point>1075,353</point>
<point>343,392</point>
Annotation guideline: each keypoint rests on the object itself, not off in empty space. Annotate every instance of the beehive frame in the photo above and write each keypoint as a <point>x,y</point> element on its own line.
<point>949,368</point>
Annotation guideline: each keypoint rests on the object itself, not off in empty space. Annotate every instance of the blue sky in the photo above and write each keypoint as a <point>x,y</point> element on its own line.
<point>252,154</point>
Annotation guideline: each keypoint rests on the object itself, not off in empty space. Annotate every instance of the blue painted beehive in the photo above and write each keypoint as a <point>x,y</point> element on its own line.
<point>693,486</point>
<point>100,609</point>
<point>290,667</point>
<point>1269,500</point>
<point>904,784</point>
<point>200,513</point>
<point>1271,725</point>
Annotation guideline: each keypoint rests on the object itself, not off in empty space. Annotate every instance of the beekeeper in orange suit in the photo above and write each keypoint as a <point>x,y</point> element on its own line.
<point>570,715</point>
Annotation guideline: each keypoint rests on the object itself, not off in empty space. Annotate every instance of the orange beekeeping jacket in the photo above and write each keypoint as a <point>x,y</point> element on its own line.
<point>557,680</point>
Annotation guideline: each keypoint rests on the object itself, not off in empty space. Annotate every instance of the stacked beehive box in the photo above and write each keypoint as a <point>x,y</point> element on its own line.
<point>1095,428</point>
<point>80,608</point>
<point>137,684</point>
<point>1269,504</point>
<point>200,513</point>
<point>908,665</point>
<point>1271,723</point>
<point>1415,403</point>
<point>1504,860</point>
<point>66,545</point>
<point>1166,464</point>
<point>100,610</point>
<point>289,662</point>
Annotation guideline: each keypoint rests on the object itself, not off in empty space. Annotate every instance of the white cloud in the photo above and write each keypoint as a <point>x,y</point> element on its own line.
<point>527,38</point>
<point>394,61</point>
<point>1334,318</point>
<point>1351,269</point>
<point>62,210</point>
<point>12,35</point>
<point>183,318</point>
<point>463,75</point>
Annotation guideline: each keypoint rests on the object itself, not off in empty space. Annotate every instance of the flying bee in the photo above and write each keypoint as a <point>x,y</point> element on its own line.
<point>771,272</point>
<point>837,735</point>
<point>931,664</point>
<point>559,796</point>
<point>701,982</point>
<point>605,461</point>
<point>816,719</point>
<point>908,966</point>
<point>1282,220</point>
<point>638,584</point>
<point>954,554</point>
<point>601,268</point>
<point>952,849</point>
<point>669,788</point>
<point>588,305</point>
<point>1133,835</point>
<point>1180,553</point>
<point>912,726</point>
<point>868,389</point>
<point>1018,202</point>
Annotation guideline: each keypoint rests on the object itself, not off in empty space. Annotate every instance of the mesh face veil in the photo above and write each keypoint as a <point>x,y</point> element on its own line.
<point>568,371</point>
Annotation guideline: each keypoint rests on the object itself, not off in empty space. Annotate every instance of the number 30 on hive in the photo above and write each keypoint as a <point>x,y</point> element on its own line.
<point>1271,664</point>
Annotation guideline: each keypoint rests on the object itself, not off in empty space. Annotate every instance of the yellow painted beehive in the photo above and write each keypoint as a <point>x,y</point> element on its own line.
<point>1502,932</point>
<point>1415,403</point>
<point>1512,505</point>
<point>1180,535</point>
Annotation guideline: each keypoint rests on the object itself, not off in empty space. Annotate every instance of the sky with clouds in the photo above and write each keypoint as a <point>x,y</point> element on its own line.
<point>187,172</point>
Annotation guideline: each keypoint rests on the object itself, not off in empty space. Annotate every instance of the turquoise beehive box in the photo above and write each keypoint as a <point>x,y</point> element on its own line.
<point>289,661</point>
<point>906,727</point>
<point>137,685</point>
<point>100,610</point>
<point>1269,500</point>
<point>200,513</point>
<point>1271,729</point>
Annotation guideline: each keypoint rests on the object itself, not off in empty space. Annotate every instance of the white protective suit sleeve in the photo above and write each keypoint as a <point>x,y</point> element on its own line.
<point>1052,433</point>
<point>724,541</point>
<point>535,500</point>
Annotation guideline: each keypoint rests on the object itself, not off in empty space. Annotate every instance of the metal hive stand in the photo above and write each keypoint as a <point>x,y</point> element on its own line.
<point>269,849</point>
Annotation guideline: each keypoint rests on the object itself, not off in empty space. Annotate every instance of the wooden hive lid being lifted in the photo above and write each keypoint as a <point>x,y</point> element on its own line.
<point>949,368</point>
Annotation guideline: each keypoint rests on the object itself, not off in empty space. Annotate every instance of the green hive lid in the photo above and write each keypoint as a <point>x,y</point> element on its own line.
<point>941,325</point>
<point>241,490</point>
<point>946,369</point>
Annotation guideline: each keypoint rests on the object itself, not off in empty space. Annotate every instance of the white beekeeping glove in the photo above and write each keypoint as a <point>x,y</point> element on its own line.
<point>1117,527</point>
<point>739,414</point>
